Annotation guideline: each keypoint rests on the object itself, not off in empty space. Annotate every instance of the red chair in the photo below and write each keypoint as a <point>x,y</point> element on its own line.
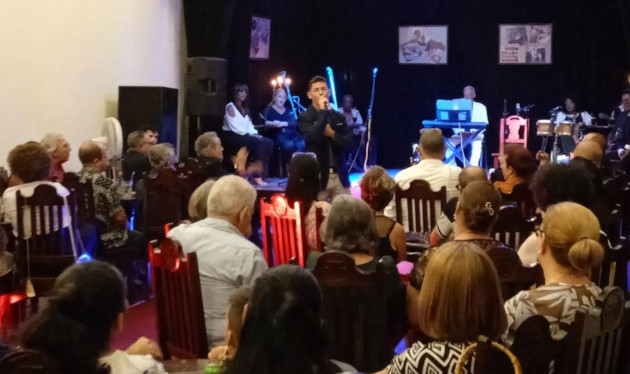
<point>283,231</point>
<point>177,289</point>
<point>517,131</point>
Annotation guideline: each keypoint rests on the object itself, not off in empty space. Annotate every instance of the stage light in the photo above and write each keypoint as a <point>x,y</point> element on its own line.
<point>274,83</point>
<point>280,80</point>
<point>287,81</point>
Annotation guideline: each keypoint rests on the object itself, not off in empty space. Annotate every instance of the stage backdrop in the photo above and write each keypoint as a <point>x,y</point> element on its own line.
<point>590,56</point>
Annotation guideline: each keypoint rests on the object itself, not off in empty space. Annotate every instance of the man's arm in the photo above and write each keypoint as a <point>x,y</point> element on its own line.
<point>343,134</point>
<point>311,127</point>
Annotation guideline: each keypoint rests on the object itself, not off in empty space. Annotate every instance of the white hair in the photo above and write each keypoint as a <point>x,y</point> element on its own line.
<point>51,141</point>
<point>198,204</point>
<point>161,155</point>
<point>229,195</point>
<point>350,226</point>
<point>204,140</point>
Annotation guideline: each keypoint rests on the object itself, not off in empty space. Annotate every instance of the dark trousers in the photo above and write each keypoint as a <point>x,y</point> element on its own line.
<point>259,147</point>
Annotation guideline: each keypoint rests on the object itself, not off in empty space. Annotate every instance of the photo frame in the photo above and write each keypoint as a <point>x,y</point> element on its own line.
<point>260,38</point>
<point>525,44</point>
<point>425,45</point>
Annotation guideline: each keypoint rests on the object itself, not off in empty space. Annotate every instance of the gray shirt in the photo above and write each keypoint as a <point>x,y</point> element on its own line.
<point>226,260</point>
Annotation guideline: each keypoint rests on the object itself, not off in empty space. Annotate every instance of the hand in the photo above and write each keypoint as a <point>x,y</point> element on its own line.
<point>145,346</point>
<point>622,153</point>
<point>543,157</point>
<point>319,102</point>
<point>329,132</point>
<point>240,159</point>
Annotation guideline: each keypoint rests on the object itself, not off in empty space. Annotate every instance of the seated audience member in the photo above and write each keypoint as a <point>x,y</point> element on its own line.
<point>569,248</point>
<point>234,319</point>
<point>588,155</point>
<point>554,184</point>
<point>377,190</point>
<point>162,156</point>
<point>444,229</point>
<point>30,167</point>
<point>459,301</point>
<point>76,327</point>
<point>227,260</point>
<point>431,169</point>
<point>136,161</point>
<point>517,166</point>
<point>198,203</point>
<point>210,155</point>
<point>150,135</point>
<point>283,332</point>
<point>350,228</point>
<point>303,186</point>
<point>108,210</point>
<point>597,138</point>
<point>239,130</point>
<point>59,151</point>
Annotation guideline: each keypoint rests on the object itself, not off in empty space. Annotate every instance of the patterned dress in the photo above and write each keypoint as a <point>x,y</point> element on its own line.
<point>431,358</point>
<point>106,206</point>
<point>557,302</point>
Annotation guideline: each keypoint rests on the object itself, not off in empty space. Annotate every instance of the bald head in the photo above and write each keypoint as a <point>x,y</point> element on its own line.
<point>93,154</point>
<point>471,174</point>
<point>589,150</point>
<point>431,144</point>
<point>469,92</point>
<point>596,138</point>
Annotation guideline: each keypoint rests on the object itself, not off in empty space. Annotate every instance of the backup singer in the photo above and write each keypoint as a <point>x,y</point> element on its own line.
<point>278,115</point>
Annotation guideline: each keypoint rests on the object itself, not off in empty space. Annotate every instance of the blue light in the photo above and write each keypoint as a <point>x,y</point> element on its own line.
<point>84,258</point>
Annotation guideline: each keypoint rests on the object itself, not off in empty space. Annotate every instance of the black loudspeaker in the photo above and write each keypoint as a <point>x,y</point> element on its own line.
<point>206,86</point>
<point>155,107</point>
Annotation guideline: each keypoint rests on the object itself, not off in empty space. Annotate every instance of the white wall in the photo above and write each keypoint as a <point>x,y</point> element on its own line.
<point>62,61</point>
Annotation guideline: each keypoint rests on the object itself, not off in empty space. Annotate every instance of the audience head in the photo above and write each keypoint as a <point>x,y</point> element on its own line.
<point>136,141</point>
<point>94,155</point>
<point>431,144</point>
<point>350,226</point>
<point>29,162</point>
<point>236,315</point>
<point>57,147</point>
<point>303,184</point>
<point>570,234</point>
<point>460,297</point>
<point>208,144</point>
<point>377,188</point>
<point>86,307</point>
<point>162,155</point>
<point>198,203</point>
<point>516,160</point>
<point>557,183</point>
<point>150,135</point>
<point>590,151</point>
<point>283,331</point>
<point>597,138</point>
<point>471,174</point>
<point>469,92</point>
<point>478,207</point>
<point>232,199</point>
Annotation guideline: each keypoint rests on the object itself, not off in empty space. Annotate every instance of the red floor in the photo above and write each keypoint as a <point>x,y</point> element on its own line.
<point>140,321</point>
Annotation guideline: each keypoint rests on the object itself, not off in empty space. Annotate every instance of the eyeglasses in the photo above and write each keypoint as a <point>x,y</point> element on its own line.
<point>539,232</point>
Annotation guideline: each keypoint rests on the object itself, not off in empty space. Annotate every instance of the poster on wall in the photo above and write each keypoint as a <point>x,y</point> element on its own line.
<point>260,36</point>
<point>423,45</point>
<point>525,44</point>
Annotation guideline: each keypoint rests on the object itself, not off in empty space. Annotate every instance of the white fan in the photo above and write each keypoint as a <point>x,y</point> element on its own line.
<point>112,133</point>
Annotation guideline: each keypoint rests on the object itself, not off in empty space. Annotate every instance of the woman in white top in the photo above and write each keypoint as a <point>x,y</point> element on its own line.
<point>572,113</point>
<point>239,131</point>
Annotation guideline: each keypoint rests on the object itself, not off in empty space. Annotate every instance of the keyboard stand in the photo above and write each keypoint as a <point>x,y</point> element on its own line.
<point>458,150</point>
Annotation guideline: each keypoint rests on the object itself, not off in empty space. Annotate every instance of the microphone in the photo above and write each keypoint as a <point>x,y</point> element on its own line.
<point>528,107</point>
<point>327,105</point>
<point>374,71</point>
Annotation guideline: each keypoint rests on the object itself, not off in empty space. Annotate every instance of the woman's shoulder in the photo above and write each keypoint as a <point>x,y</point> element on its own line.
<point>440,353</point>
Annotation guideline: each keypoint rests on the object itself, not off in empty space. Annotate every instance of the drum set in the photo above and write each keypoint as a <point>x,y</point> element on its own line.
<point>547,128</point>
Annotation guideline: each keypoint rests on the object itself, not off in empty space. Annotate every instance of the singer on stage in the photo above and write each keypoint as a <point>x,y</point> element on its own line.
<point>327,135</point>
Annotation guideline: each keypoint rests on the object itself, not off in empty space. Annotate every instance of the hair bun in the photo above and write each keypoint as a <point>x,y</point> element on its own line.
<point>585,253</point>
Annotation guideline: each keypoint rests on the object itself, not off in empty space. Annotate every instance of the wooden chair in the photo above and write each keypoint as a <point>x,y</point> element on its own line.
<point>517,130</point>
<point>177,289</point>
<point>533,345</point>
<point>511,228</point>
<point>422,204</point>
<point>47,248</point>
<point>283,231</point>
<point>522,197</point>
<point>613,270</point>
<point>25,361</point>
<point>351,298</point>
<point>84,210</point>
<point>194,171</point>
<point>166,195</point>
<point>319,219</point>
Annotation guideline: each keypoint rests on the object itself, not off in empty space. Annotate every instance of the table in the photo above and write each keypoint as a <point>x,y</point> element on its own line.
<point>191,366</point>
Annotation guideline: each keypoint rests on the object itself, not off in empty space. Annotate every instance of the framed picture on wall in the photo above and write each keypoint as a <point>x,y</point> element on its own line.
<point>260,37</point>
<point>528,44</point>
<point>423,45</point>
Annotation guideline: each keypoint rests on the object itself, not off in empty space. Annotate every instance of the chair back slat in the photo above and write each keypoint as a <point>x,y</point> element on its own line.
<point>82,206</point>
<point>511,228</point>
<point>422,205</point>
<point>351,298</point>
<point>283,231</point>
<point>166,195</point>
<point>177,288</point>
<point>319,219</point>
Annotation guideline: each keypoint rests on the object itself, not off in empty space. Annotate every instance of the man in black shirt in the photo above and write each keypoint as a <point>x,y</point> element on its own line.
<point>327,135</point>
<point>136,160</point>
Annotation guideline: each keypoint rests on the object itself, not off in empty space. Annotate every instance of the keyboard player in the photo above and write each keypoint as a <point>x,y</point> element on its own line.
<point>479,114</point>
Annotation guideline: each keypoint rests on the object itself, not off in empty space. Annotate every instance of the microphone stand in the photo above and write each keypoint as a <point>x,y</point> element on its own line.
<point>369,121</point>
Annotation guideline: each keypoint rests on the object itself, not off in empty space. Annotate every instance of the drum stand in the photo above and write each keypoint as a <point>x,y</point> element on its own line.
<point>554,149</point>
